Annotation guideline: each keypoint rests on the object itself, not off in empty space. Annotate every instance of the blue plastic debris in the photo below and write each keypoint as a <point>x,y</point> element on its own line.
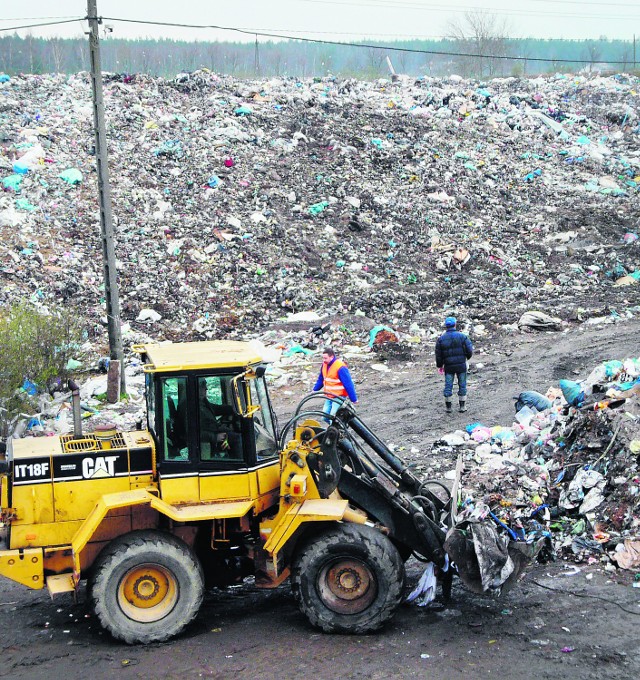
<point>71,176</point>
<point>532,175</point>
<point>30,388</point>
<point>13,182</point>
<point>572,392</point>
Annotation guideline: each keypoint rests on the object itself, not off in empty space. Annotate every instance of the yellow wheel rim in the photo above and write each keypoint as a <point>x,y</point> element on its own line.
<point>148,592</point>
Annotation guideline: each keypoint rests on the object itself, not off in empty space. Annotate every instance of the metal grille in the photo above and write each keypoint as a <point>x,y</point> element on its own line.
<point>71,445</point>
<point>90,442</point>
<point>117,441</point>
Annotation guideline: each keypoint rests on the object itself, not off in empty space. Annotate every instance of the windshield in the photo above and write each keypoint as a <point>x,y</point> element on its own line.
<point>266,446</point>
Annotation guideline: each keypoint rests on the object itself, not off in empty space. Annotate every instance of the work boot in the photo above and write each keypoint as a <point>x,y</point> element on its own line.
<point>448,406</point>
<point>463,405</point>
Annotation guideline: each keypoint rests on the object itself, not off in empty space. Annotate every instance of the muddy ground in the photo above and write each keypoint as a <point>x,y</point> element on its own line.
<point>562,621</point>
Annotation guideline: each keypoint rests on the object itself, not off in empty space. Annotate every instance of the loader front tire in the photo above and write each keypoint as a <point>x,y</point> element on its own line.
<point>348,579</point>
<point>146,587</point>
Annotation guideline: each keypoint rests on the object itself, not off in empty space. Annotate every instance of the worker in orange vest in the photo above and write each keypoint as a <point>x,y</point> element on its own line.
<point>336,380</point>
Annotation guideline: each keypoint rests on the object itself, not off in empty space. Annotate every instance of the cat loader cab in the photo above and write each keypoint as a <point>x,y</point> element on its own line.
<point>208,410</point>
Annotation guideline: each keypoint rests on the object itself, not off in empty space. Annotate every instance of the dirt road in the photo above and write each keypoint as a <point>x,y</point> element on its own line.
<point>586,627</point>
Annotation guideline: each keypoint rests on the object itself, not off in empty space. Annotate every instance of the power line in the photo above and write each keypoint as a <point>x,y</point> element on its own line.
<point>406,4</point>
<point>319,41</point>
<point>427,5</point>
<point>405,36</point>
<point>49,23</point>
<point>413,4</point>
<point>67,16</point>
<point>589,4</point>
<point>388,48</point>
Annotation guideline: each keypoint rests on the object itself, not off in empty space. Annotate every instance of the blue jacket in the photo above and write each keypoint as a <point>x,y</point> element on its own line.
<point>452,351</point>
<point>345,379</point>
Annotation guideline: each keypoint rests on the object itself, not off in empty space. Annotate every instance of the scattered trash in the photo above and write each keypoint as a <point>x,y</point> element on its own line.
<point>566,480</point>
<point>304,242</point>
<point>532,400</point>
<point>303,169</point>
<point>71,176</point>
<point>425,591</point>
<point>380,335</point>
<point>539,321</point>
<point>627,554</point>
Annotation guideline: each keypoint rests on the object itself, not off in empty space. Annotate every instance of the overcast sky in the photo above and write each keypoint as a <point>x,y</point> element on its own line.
<point>341,20</point>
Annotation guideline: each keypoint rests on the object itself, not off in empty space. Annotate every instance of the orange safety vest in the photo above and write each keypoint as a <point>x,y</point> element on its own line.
<point>332,384</point>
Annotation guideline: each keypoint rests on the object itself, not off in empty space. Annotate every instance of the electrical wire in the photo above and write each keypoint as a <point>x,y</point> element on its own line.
<point>403,36</point>
<point>582,3</point>
<point>66,16</point>
<point>388,48</point>
<point>48,23</point>
<point>318,41</point>
<point>593,597</point>
<point>488,11</point>
<point>482,7</point>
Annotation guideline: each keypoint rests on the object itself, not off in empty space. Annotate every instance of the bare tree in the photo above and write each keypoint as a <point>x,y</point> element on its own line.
<point>57,53</point>
<point>484,37</point>
<point>301,64</point>
<point>28,43</point>
<point>626,55</point>
<point>375,59</point>
<point>593,52</point>
<point>403,60</point>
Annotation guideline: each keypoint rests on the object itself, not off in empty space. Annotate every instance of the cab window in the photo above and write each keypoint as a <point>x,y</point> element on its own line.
<point>174,418</point>
<point>219,426</point>
<point>266,446</point>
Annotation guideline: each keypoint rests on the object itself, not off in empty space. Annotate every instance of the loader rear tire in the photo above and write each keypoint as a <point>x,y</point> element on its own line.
<point>146,587</point>
<point>348,579</point>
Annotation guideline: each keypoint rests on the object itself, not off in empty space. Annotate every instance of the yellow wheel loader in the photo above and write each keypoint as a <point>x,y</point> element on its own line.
<point>206,492</point>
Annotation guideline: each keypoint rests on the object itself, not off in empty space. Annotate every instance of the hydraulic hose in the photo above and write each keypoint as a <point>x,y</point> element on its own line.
<point>317,395</point>
<point>295,418</point>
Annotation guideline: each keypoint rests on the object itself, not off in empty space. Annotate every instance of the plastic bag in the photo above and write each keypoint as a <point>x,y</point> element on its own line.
<point>572,392</point>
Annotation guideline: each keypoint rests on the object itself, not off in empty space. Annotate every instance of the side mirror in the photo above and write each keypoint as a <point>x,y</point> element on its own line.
<point>240,401</point>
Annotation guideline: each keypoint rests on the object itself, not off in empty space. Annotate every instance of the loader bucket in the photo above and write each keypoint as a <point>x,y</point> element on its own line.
<point>487,561</point>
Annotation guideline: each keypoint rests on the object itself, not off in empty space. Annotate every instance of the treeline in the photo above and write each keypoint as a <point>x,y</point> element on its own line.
<point>303,59</point>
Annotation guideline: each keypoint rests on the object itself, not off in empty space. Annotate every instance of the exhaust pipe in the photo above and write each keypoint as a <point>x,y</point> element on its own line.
<point>75,401</point>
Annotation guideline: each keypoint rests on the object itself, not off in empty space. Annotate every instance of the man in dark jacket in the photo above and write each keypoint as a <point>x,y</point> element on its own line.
<point>452,351</point>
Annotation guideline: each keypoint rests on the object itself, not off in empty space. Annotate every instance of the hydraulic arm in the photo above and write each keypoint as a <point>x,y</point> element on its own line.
<point>364,470</point>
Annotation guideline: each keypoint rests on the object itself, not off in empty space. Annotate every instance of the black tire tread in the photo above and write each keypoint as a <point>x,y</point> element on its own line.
<point>119,550</point>
<point>362,539</point>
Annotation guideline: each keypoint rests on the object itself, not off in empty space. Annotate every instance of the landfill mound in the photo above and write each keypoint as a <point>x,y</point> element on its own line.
<point>568,473</point>
<point>239,202</point>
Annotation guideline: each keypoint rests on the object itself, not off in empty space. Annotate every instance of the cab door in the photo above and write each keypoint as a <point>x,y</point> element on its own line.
<point>254,475</point>
<point>177,471</point>
<point>223,445</point>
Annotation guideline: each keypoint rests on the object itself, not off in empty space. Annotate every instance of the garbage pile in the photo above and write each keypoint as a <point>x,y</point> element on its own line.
<point>240,202</point>
<point>569,472</point>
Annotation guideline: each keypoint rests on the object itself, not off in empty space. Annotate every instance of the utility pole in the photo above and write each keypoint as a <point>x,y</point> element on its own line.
<point>106,216</point>
<point>256,59</point>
